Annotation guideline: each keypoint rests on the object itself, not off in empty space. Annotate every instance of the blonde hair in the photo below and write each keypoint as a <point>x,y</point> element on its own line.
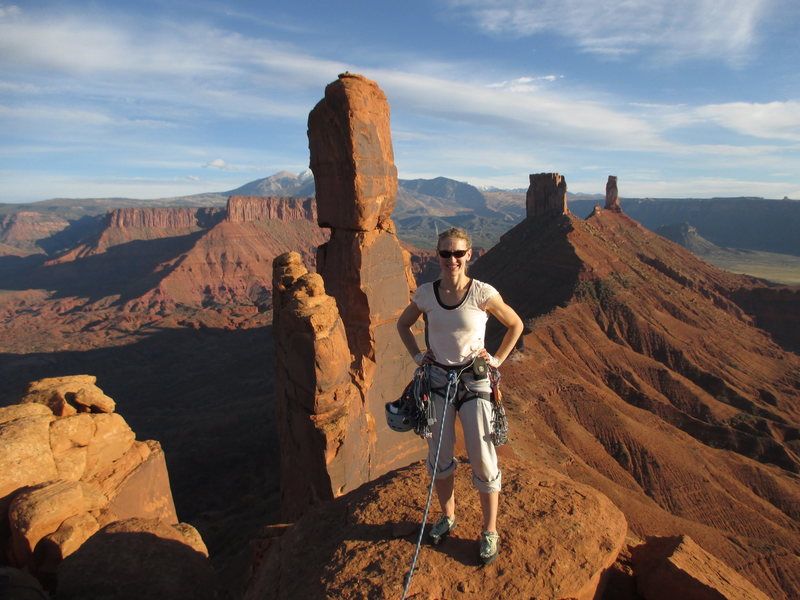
<point>455,233</point>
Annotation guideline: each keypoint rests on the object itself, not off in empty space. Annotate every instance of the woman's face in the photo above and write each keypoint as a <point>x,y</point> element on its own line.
<point>451,264</point>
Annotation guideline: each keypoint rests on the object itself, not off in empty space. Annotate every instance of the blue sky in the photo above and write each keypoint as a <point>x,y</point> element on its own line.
<point>149,99</point>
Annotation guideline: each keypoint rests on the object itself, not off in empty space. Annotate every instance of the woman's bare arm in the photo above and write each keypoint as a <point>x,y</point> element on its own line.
<point>510,319</point>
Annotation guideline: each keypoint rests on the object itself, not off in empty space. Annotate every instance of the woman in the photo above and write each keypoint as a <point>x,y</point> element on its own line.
<point>455,310</point>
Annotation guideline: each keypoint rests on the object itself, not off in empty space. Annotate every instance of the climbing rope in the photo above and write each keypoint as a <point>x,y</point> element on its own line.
<point>452,383</point>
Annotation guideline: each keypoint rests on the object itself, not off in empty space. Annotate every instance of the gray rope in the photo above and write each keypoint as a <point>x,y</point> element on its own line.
<point>452,378</point>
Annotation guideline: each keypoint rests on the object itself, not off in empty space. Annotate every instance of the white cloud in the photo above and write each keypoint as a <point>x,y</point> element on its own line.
<point>678,29</point>
<point>551,118</point>
<point>524,84</point>
<point>219,163</point>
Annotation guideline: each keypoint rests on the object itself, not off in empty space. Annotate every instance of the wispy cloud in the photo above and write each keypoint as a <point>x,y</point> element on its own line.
<point>771,120</point>
<point>677,29</point>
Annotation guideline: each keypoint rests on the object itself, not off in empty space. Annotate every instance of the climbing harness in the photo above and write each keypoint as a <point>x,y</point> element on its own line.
<point>423,416</point>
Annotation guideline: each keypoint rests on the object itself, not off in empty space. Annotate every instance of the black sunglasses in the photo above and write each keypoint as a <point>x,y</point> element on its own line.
<point>456,253</point>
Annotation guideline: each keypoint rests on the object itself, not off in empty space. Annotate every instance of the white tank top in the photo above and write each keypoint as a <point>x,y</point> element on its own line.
<point>455,334</point>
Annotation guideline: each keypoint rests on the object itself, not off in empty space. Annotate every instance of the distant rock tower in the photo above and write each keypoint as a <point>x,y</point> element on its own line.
<point>547,195</point>
<point>612,195</point>
<point>339,358</point>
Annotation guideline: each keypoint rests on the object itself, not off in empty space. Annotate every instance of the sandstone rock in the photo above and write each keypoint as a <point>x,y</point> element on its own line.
<point>135,559</point>
<point>21,411</point>
<point>111,440</point>
<point>137,485</point>
<point>94,400</point>
<point>67,395</point>
<point>612,194</point>
<point>56,546</point>
<point>72,431</point>
<point>333,331</point>
<point>26,458</point>
<point>564,538</point>
<point>71,463</point>
<point>76,381</point>
<point>41,510</point>
<point>317,405</point>
<point>676,567</point>
<point>351,155</point>
<point>191,537</point>
<point>54,399</point>
<point>286,269</point>
<point>547,195</point>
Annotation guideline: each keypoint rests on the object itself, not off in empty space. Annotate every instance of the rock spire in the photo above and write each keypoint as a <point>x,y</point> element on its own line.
<point>339,358</point>
<point>612,194</point>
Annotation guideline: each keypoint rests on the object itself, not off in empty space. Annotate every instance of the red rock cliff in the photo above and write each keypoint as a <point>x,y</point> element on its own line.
<point>163,218</point>
<point>245,209</point>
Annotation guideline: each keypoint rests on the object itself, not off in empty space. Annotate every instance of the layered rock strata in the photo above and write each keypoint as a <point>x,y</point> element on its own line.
<point>367,282</point>
<point>70,466</point>
<point>245,209</point>
<point>163,218</point>
<point>547,195</point>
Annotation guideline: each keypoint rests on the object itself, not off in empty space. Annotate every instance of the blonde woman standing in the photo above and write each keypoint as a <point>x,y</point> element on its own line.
<point>455,309</point>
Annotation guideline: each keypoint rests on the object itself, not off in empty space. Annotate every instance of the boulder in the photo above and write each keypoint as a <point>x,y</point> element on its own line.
<point>92,399</point>
<point>111,440</point>
<point>676,567</point>
<point>40,510</point>
<point>26,458</point>
<point>135,559</point>
<point>56,546</point>
<point>68,395</point>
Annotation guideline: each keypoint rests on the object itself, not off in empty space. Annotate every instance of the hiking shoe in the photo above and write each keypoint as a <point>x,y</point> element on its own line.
<point>489,548</point>
<point>441,529</point>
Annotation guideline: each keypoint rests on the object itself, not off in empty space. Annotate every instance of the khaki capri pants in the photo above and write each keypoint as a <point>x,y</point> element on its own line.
<point>476,421</point>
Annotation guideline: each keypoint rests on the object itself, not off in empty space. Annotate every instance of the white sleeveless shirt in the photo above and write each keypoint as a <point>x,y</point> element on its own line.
<point>455,334</point>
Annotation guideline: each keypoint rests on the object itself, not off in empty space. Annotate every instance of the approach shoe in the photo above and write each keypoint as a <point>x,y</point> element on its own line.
<point>489,547</point>
<point>441,529</point>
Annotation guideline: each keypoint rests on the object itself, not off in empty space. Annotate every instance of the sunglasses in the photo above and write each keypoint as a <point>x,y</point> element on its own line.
<point>456,253</point>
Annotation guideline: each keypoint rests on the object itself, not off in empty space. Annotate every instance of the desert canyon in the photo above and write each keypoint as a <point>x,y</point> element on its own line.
<point>654,401</point>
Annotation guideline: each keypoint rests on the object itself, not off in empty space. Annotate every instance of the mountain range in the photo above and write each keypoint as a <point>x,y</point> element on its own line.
<point>425,206</point>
